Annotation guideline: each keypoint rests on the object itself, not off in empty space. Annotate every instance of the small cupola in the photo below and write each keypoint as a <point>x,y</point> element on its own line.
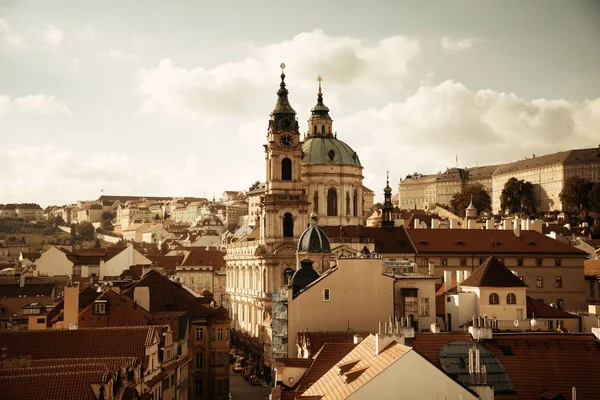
<point>313,239</point>
<point>304,276</point>
<point>320,123</point>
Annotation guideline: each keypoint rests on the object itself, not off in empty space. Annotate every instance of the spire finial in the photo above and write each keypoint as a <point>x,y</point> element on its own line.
<point>320,79</point>
<point>282,65</point>
<point>387,179</point>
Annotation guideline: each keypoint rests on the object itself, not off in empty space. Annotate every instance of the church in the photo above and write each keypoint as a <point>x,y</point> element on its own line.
<point>312,175</point>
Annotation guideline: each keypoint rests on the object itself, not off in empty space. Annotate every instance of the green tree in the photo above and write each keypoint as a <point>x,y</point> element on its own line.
<point>481,200</point>
<point>576,194</point>
<point>85,231</point>
<point>58,221</point>
<point>517,197</point>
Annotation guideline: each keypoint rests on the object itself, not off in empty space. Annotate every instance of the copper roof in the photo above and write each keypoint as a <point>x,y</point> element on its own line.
<point>492,273</point>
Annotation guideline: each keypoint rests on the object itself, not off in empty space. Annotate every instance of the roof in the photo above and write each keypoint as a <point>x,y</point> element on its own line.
<point>592,268</point>
<point>389,242</point>
<point>479,241</point>
<point>170,263</point>
<point>326,358</point>
<point>313,239</point>
<point>429,344</point>
<point>113,363</point>
<point>492,273</point>
<point>539,309</point>
<point>567,157</point>
<point>328,150</point>
<point>316,340</point>
<point>364,366</point>
<point>120,311</point>
<point>78,343</point>
<point>30,289</point>
<point>72,385</point>
<point>204,258</point>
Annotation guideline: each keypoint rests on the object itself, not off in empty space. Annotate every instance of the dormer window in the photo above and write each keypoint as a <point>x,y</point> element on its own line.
<point>100,307</point>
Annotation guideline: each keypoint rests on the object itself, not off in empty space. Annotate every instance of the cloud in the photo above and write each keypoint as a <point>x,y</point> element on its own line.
<point>454,44</point>
<point>428,129</point>
<point>53,36</point>
<point>122,55</point>
<point>51,175</point>
<point>10,36</point>
<point>39,104</point>
<point>346,62</point>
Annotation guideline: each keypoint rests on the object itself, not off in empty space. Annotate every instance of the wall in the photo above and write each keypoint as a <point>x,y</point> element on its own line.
<point>356,285</point>
<point>54,262</point>
<point>109,239</point>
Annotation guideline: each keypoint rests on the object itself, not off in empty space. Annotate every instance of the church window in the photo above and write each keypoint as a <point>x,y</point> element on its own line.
<point>323,129</point>
<point>355,204</point>
<point>316,202</point>
<point>288,225</point>
<point>347,203</point>
<point>331,154</point>
<point>332,203</point>
<point>286,169</point>
<point>315,129</point>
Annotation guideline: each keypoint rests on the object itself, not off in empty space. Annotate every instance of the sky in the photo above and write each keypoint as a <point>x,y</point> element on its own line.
<point>173,98</point>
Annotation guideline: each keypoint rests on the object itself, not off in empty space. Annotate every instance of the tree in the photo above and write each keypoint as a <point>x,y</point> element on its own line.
<point>576,194</point>
<point>85,231</point>
<point>481,200</point>
<point>58,221</point>
<point>517,197</point>
<point>97,244</point>
<point>595,198</point>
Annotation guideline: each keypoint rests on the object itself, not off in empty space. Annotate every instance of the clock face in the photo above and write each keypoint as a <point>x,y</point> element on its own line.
<point>285,123</point>
<point>286,140</point>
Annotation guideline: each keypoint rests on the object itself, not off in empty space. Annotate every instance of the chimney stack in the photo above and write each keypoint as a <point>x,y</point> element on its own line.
<point>71,307</point>
<point>431,268</point>
<point>447,280</point>
<point>517,228</point>
<point>459,279</point>
<point>22,279</point>
<point>141,295</point>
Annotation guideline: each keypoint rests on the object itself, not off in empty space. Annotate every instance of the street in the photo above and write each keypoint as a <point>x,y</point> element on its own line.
<point>242,390</point>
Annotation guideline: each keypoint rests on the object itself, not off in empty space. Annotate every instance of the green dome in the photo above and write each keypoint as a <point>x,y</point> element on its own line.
<point>313,239</point>
<point>328,150</point>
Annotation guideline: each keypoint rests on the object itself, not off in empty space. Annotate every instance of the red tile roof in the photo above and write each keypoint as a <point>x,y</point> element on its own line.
<point>113,363</point>
<point>429,344</point>
<point>30,289</point>
<point>295,362</point>
<point>120,311</point>
<point>67,385</point>
<point>397,241</point>
<point>592,268</point>
<point>318,339</point>
<point>328,356</point>
<point>492,273</point>
<point>479,241</point>
<point>54,369</point>
<point>80,343</point>
<point>204,258</point>
<point>539,309</point>
<point>168,262</point>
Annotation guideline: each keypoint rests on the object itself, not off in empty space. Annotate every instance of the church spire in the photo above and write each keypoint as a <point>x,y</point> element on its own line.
<point>320,123</point>
<point>283,105</point>
<point>387,211</point>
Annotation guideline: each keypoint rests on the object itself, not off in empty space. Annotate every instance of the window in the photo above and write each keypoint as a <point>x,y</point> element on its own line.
<point>463,262</point>
<point>41,320</point>
<point>592,291</point>
<point>558,282</point>
<point>494,298</point>
<point>199,360</point>
<point>550,325</point>
<point>220,334</point>
<point>539,282</point>
<point>200,333</point>
<point>511,298</point>
<point>288,225</point>
<point>199,389</point>
<point>424,307</point>
<point>100,307</point>
<point>332,203</point>
<point>316,202</point>
<point>538,262</point>
<point>355,203</point>
<point>424,262</point>
<point>286,169</point>
<point>326,295</point>
<point>558,262</point>
<point>444,262</point>
<point>519,262</point>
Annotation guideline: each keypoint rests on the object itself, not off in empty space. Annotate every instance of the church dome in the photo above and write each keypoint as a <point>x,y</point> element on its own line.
<point>328,150</point>
<point>303,276</point>
<point>313,239</point>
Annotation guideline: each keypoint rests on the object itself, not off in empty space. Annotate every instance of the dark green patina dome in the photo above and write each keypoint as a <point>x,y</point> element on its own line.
<point>328,150</point>
<point>313,239</point>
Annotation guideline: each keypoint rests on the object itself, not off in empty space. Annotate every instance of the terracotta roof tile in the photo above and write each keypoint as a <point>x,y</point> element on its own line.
<point>318,339</point>
<point>120,311</point>
<point>539,309</point>
<point>170,263</point>
<point>429,344</point>
<point>326,358</point>
<point>492,273</point>
<point>397,241</point>
<point>113,363</point>
<point>53,369</point>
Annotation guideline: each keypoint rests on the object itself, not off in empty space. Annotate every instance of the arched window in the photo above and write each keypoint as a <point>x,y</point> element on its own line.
<point>286,169</point>
<point>494,298</point>
<point>355,203</point>
<point>316,202</point>
<point>323,129</point>
<point>511,298</point>
<point>332,203</point>
<point>315,129</point>
<point>347,203</point>
<point>288,225</point>
<point>264,281</point>
<point>287,276</point>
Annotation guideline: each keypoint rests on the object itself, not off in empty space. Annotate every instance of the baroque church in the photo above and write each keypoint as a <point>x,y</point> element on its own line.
<point>313,176</point>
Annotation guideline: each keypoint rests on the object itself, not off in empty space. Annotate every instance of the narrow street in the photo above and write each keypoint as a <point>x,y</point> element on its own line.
<point>242,390</point>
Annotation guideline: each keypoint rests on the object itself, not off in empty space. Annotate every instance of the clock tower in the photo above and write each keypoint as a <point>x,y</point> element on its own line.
<point>285,204</point>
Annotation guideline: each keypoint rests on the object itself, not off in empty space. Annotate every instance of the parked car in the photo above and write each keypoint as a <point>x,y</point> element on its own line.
<point>237,367</point>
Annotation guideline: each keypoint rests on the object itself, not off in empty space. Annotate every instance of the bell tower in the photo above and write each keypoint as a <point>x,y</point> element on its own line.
<point>285,204</point>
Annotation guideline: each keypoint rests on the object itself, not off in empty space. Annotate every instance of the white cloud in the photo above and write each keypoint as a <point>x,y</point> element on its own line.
<point>122,55</point>
<point>10,36</point>
<point>53,36</point>
<point>459,44</point>
<point>39,104</point>
<point>427,130</point>
<point>74,63</point>
<point>346,62</point>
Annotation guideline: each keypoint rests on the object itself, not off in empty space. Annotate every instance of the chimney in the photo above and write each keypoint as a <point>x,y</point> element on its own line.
<point>435,223</point>
<point>466,274</point>
<point>141,295</point>
<point>71,307</point>
<point>459,279</point>
<point>22,279</point>
<point>490,224</point>
<point>447,280</point>
<point>517,228</point>
<point>417,223</point>
<point>388,332</point>
<point>431,268</point>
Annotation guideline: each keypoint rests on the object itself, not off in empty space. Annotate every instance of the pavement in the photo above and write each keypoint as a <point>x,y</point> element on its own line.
<point>240,389</point>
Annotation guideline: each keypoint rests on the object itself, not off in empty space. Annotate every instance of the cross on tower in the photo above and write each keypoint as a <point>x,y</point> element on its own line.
<point>319,79</point>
